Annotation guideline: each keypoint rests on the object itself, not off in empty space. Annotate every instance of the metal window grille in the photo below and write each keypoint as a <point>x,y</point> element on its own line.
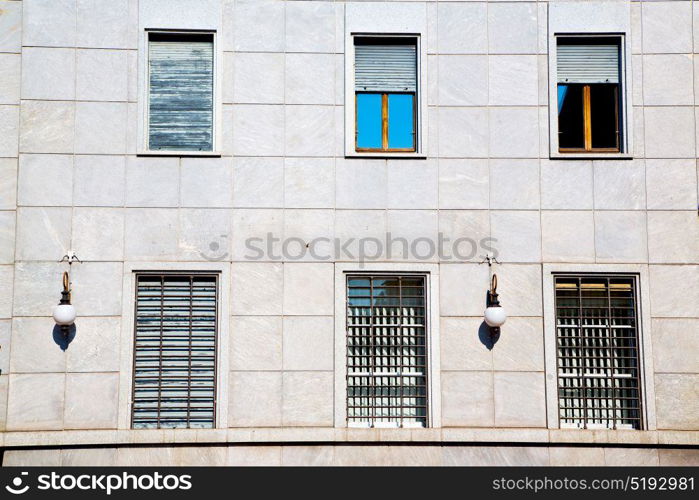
<point>174,375</point>
<point>598,352</point>
<point>181,92</point>
<point>386,351</point>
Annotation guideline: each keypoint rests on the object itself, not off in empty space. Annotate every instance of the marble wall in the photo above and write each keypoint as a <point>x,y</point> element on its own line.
<point>72,178</point>
<point>355,455</point>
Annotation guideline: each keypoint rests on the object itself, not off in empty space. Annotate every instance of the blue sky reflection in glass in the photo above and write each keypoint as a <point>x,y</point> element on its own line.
<point>369,127</point>
<point>400,121</point>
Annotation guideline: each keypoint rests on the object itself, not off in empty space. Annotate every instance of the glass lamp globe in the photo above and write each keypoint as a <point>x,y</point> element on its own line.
<point>495,316</point>
<point>64,314</point>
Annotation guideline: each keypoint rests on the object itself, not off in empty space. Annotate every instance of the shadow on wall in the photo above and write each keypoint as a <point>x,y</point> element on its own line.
<point>486,338</point>
<point>63,341</point>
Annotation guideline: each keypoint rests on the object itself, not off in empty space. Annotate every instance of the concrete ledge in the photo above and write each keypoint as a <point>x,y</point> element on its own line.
<point>329,435</point>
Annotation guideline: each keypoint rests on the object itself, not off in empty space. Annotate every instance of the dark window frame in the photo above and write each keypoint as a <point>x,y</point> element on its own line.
<point>163,275</point>
<point>585,364</point>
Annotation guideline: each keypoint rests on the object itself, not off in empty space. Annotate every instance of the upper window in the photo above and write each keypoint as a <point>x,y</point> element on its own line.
<point>386,351</point>
<point>174,374</point>
<point>599,379</point>
<point>385,83</point>
<point>588,75</point>
<point>180,92</point>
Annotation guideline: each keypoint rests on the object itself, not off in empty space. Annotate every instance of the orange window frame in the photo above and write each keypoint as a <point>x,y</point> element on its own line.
<point>587,125</point>
<point>384,125</point>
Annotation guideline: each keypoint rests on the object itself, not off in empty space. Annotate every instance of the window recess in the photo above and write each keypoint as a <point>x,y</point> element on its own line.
<point>598,363</point>
<point>385,94</point>
<point>175,338</point>
<point>386,351</point>
<point>180,92</point>
<point>588,75</point>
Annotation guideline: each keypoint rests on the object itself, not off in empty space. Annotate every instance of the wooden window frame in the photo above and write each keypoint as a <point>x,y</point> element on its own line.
<point>587,122</point>
<point>384,124</point>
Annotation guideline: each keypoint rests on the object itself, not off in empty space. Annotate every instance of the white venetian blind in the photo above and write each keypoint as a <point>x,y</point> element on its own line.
<point>181,83</point>
<point>588,62</point>
<point>175,351</point>
<point>385,68</point>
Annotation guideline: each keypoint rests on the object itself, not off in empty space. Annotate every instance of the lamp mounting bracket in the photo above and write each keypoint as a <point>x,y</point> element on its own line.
<point>70,258</point>
<point>490,259</point>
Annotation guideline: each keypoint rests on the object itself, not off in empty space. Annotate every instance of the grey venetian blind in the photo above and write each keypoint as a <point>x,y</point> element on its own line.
<point>588,62</point>
<point>388,67</point>
<point>174,377</point>
<point>181,86</point>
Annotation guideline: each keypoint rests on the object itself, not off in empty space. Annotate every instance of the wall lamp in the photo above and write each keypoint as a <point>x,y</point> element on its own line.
<point>495,315</point>
<point>64,313</point>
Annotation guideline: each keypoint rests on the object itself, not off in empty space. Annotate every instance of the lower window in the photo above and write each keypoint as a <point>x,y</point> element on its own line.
<point>598,364</point>
<point>386,351</point>
<point>174,375</point>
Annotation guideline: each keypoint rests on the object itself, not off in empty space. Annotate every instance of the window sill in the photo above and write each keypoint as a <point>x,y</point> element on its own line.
<point>591,156</point>
<point>387,156</point>
<point>187,154</point>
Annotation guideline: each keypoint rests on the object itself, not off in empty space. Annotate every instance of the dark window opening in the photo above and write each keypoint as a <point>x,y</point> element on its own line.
<point>604,116</point>
<point>588,94</point>
<point>570,117</point>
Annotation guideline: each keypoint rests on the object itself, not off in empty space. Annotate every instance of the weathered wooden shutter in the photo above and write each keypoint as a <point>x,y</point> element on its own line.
<point>181,86</point>
<point>385,68</point>
<point>588,63</point>
<point>175,351</point>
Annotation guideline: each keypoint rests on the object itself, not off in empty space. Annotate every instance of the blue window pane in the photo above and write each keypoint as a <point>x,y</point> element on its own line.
<point>562,91</point>
<point>400,121</point>
<point>369,121</point>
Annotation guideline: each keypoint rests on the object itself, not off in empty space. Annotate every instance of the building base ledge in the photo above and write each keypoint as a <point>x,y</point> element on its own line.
<point>328,435</point>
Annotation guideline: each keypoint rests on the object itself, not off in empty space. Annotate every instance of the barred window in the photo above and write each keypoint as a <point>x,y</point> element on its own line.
<point>386,351</point>
<point>598,352</point>
<point>174,376</point>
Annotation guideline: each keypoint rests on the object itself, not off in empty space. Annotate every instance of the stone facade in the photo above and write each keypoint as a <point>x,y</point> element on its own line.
<point>74,177</point>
